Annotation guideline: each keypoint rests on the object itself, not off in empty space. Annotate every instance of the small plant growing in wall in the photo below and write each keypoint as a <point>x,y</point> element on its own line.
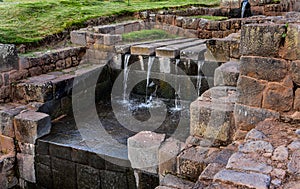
<point>284,34</point>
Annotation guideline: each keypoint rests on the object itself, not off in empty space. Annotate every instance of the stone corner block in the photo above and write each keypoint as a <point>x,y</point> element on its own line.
<point>26,167</point>
<point>9,58</point>
<point>31,125</point>
<point>227,74</point>
<point>143,150</point>
<point>78,37</point>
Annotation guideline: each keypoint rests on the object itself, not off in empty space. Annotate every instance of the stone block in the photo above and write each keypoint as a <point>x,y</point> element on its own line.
<point>218,50</point>
<point>247,117</point>
<point>250,91</point>
<point>250,180</point>
<point>295,71</point>
<point>9,57</point>
<point>145,180</point>
<point>294,163</point>
<point>6,145</point>
<point>269,69</point>
<point>60,151</point>
<point>227,74</point>
<point>167,155</point>
<point>78,37</point>
<point>176,182</point>
<point>190,23</point>
<point>212,121</point>
<point>297,100</point>
<point>26,167</point>
<point>191,162</point>
<point>87,177</point>
<point>64,173</point>
<point>43,175</point>
<point>261,39</point>
<point>31,125</point>
<point>258,146</point>
<point>111,179</point>
<point>143,150</point>
<point>291,48</point>
<point>278,97</point>
<point>26,148</point>
<point>210,171</point>
<point>230,3</point>
<point>240,161</point>
<point>281,153</point>
<point>105,29</point>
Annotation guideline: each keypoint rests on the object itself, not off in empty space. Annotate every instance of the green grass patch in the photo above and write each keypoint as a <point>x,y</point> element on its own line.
<point>25,21</point>
<point>146,35</point>
<point>212,18</point>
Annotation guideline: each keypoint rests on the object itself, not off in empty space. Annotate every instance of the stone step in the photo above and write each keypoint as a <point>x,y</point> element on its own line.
<point>150,49</point>
<point>195,53</point>
<point>227,74</point>
<point>173,51</point>
<point>171,181</point>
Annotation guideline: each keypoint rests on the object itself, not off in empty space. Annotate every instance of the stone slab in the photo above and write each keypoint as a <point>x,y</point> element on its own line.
<point>8,58</point>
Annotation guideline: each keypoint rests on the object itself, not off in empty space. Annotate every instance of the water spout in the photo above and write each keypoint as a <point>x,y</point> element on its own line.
<point>126,71</point>
<point>150,63</point>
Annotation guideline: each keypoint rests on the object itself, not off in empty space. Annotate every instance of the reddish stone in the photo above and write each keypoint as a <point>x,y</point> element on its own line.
<point>295,71</point>
<point>278,97</point>
<point>297,100</point>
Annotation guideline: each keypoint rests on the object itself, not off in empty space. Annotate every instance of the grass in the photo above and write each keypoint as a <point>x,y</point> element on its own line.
<point>26,21</point>
<point>213,18</point>
<point>146,35</point>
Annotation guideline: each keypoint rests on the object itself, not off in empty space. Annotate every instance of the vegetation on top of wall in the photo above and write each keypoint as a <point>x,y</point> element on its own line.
<point>145,35</point>
<point>26,21</point>
<point>213,18</point>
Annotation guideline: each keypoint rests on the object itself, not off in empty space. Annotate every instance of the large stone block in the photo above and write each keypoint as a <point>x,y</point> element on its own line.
<point>43,175</point>
<point>191,162</point>
<point>269,69</point>
<point>218,50</point>
<point>64,173</point>
<point>295,71</point>
<point>6,145</point>
<point>247,117</point>
<point>278,97</point>
<point>261,39</point>
<point>111,179</point>
<point>8,58</point>
<point>212,121</point>
<point>143,150</point>
<point>31,125</point>
<point>249,180</point>
<point>87,177</point>
<point>8,177</point>
<point>227,74</point>
<point>26,167</point>
<point>291,48</point>
<point>78,37</point>
<point>250,91</point>
<point>168,154</point>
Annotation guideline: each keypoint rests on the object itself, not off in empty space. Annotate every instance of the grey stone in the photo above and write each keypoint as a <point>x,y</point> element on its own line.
<point>26,167</point>
<point>210,171</point>
<point>278,173</point>
<point>255,135</point>
<point>294,163</point>
<point>8,57</point>
<point>256,146</point>
<point>295,145</point>
<point>64,173</point>
<point>276,182</point>
<point>240,161</point>
<point>175,182</point>
<point>143,150</point>
<point>281,153</point>
<point>227,74</point>
<point>111,179</point>
<point>297,132</point>
<point>251,180</point>
<point>43,175</point>
<point>78,37</point>
<point>31,125</point>
<point>87,177</point>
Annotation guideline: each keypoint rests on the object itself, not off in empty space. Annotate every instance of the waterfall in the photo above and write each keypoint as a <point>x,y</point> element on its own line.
<point>126,71</point>
<point>150,63</point>
<point>142,62</point>
<point>199,76</point>
<point>177,92</point>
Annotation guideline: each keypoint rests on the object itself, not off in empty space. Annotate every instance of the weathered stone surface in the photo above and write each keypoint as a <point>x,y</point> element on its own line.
<point>143,150</point>
<point>218,50</point>
<point>247,117</point>
<point>8,175</point>
<point>210,171</point>
<point>227,74</point>
<point>278,97</point>
<point>61,168</point>
<point>175,182</point>
<point>291,48</point>
<point>295,71</point>
<point>256,146</point>
<point>9,57</point>
<point>295,145</point>
<point>240,161</point>
<point>251,180</point>
<point>26,167</point>
<point>297,100</point>
<point>281,153</point>
<point>43,175</point>
<point>145,180</point>
<point>167,155</point>
<point>294,163</point>
<point>6,144</point>
<point>255,135</point>
<point>191,162</point>
<point>31,125</point>
<point>269,69</point>
<point>250,91</point>
<point>261,39</point>
<point>213,121</point>
<point>278,173</point>
<point>78,37</point>
<point>87,177</point>
<point>111,179</point>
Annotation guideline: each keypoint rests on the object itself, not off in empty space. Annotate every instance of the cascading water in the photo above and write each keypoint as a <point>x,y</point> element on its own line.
<point>177,92</point>
<point>199,76</point>
<point>142,62</point>
<point>150,63</point>
<point>126,71</point>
